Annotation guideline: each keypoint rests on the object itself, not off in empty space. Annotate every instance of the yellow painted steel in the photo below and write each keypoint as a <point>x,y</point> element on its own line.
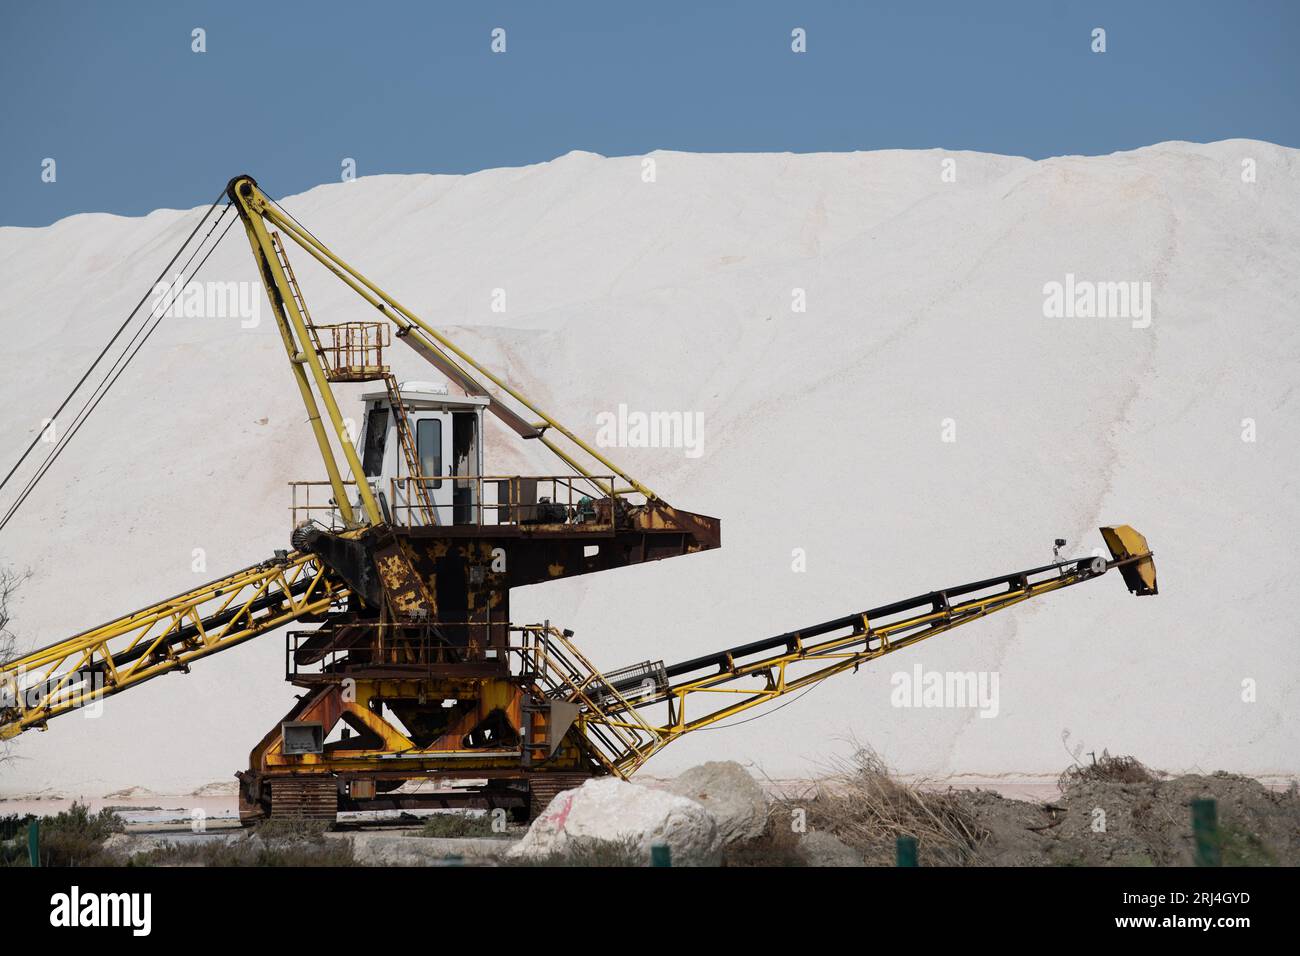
<point>253,207</point>
<point>162,638</point>
<point>392,742</point>
<point>627,738</point>
<point>619,732</point>
<point>308,399</point>
<point>1125,543</point>
<point>409,323</point>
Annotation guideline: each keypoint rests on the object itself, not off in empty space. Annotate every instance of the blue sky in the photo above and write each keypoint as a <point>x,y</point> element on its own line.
<point>135,120</point>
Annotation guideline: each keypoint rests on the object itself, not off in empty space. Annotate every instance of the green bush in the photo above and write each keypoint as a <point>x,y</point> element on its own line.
<point>14,825</point>
<point>74,837</point>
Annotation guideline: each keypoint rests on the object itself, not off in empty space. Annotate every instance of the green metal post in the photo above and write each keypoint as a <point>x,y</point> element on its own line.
<point>1205,828</point>
<point>34,842</point>
<point>906,851</point>
<point>661,854</point>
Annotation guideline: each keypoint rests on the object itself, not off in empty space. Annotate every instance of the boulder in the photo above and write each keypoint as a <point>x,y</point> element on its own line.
<point>819,848</point>
<point>613,811</point>
<point>730,794</point>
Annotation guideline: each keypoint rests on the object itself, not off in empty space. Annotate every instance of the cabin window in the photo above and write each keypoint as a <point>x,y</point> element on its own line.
<point>372,460</point>
<point>428,445</point>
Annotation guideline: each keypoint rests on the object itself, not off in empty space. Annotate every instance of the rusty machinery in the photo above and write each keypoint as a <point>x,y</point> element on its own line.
<point>419,691</point>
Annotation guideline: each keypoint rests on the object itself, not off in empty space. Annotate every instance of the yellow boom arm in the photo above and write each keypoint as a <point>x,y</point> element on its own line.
<point>260,215</point>
<point>627,716</point>
<point>631,714</point>
<point>161,638</point>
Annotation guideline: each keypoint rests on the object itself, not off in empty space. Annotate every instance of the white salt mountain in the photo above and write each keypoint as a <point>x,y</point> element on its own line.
<point>823,433</point>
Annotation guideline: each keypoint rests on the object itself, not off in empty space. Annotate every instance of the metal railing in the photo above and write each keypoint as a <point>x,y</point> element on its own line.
<point>621,743</point>
<point>416,649</point>
<point>575,502</point>
<point>504,500</point>
<point>323,512</point>
<point>353,351</point>
<point>536,653</point>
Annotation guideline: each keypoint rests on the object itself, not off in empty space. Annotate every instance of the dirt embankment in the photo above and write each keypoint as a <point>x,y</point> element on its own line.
<point>1149,823</point>
<point>1113,813</point>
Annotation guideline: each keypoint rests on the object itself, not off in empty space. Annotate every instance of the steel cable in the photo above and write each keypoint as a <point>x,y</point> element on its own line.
<point>120,364</point>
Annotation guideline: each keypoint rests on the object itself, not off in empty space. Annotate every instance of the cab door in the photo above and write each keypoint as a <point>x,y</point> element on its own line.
<point>374,450</point>
<point>466,464</point>
<point>433,450</point>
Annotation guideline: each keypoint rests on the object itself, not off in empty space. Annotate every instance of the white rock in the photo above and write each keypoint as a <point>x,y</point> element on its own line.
<point>609,809</point>
<point>734,798</point>
<point>820,848</point>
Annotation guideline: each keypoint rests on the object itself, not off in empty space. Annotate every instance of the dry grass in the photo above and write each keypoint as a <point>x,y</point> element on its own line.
<point>588,852</point>
<point>1107,770</point>
<point>862,804</point>
<point>459,825</point>
<point>777,847</point>
<point>278,842</point>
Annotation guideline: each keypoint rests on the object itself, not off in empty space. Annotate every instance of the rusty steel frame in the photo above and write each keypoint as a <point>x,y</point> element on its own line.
<point>163,638</point>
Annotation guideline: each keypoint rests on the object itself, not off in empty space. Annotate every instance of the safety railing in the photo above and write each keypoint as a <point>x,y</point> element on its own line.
<point>412,649</point>
<point>314,501</point>
<point>526,501</point>
<point>503,500</point>
<point>564,673</point>
<point>536,653</point>
<point>353,351</point>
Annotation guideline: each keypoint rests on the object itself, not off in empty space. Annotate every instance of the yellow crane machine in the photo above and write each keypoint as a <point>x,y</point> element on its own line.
<point>403,565</point>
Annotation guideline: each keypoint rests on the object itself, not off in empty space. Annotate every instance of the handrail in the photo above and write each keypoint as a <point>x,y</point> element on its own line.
<point>551,500</point>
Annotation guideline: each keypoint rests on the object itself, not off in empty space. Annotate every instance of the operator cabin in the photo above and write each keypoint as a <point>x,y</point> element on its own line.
<point>446,431</point>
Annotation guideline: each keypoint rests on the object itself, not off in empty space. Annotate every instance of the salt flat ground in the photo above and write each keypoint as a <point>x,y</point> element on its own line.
<point>823,431</point>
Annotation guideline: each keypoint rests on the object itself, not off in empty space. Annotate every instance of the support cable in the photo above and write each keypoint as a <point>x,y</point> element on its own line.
<point>119,365</point>
<point>162,275</point>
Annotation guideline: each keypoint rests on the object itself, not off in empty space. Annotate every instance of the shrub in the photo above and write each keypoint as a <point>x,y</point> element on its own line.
<point>74,837</point>
<point>862,804</point>
<point>1109,770</point>
<point>458,825</point>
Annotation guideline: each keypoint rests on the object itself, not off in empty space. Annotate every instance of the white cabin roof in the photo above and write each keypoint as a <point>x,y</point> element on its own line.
<point>428,395</point>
